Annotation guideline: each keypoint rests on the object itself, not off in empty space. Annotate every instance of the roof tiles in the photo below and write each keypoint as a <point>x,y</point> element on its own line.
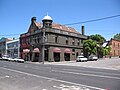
<point>56,26</point>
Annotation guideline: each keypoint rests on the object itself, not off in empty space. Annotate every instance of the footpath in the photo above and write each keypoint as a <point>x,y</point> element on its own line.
<point>104,63</point>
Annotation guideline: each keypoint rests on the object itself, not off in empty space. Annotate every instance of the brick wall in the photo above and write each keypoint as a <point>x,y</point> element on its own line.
<point>115,47</point>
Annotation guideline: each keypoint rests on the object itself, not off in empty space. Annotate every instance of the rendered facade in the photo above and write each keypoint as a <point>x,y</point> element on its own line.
<point>50,41</point>
<point>12,48</point>
<point>3,46</point>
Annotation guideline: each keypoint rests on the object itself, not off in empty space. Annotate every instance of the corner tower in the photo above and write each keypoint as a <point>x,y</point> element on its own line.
<point>47,22</point>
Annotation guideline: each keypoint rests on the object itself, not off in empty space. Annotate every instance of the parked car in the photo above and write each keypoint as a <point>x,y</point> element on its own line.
<point>19,60</point>
<point>11,59</point>
<point>0,58</point>
<point>93,58</point>
<point>81,58</point>
<point>5,57</point>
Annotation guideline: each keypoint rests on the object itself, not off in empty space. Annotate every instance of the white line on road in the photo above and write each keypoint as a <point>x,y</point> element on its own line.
<point>87,74</point>
<point>91,71</point>
<point>51,78</point>
<point>4,77</point>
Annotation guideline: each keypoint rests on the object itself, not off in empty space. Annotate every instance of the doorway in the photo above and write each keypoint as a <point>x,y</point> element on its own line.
<point>46,55</point>
<point>56,57</point>
<point>67,56</point>
<point>36,57</point>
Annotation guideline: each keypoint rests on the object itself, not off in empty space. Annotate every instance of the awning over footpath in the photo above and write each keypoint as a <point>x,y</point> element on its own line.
<point>56,50</point>
<point>67,51</point>
<point>36,50</point>
<point>26,50</point>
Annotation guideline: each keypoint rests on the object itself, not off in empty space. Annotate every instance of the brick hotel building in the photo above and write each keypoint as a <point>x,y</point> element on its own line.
<point>50,41</point>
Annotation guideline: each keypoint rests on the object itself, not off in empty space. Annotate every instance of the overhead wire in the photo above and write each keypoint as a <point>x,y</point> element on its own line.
<point>94,20</point>
<point>87,21</point>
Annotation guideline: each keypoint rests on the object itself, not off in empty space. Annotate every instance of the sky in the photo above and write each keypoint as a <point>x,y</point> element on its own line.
<point>15,15</point>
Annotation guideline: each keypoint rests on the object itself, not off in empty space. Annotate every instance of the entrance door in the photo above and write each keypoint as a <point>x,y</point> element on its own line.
<point>76,54</point>
<point>0,55</point>
<point>56,57</point>
<point>36,58</point>
<point>67,56</point>
<point>46,55</point>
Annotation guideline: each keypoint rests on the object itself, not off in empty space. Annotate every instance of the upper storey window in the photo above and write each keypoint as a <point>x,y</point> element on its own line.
<point>73,41</point>
<point>56,39</point>
<point>67,40</point>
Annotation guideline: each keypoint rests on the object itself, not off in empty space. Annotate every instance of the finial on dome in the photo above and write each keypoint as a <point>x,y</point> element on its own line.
<point>47,17</point>
<point>47,13</point>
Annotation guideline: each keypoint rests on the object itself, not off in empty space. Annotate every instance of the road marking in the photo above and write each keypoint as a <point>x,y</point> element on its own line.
<point>87,74</point>
<point>107,68</point>
<point>4,77</point>
<point>13,70</point>
<point>69,87</point>
<point>91,71</point>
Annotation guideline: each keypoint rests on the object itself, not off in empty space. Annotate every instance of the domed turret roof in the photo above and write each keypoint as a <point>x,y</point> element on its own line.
<point>47,18</point>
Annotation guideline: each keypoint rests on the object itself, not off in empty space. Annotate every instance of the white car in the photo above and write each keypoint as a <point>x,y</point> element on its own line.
<point>81,58</point>
<point>93,58</point>
<point>5,57</point>
<point>19,60</point>
<point>11,59</point>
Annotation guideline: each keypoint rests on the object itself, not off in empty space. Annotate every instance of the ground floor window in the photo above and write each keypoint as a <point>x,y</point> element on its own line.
<point>56,57</point>
<point>67,56</point>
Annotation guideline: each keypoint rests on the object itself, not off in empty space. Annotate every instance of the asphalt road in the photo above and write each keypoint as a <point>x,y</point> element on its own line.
<point>26,76</point>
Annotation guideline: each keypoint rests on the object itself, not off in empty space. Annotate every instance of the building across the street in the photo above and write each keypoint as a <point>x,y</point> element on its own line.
<point>115,47</point>
<point>12,48</point>
<point>3,46</point>
<point>49,41</point>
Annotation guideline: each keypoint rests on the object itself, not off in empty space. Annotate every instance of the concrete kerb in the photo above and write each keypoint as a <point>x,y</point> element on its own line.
<point>74,61</point>
<point>62,62</point>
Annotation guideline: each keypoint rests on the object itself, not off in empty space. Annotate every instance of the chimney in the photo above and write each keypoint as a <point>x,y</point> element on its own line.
<point>13,38</point>
<point>33,19</point>
<point>82,30</point>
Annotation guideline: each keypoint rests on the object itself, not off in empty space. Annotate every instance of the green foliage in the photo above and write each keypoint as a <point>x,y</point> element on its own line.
<point>117,36</point>
<point>106,50</point>
<point>2,39</point>
<point>94,46</point>
<point>90,46</point>
<point>98,38</point>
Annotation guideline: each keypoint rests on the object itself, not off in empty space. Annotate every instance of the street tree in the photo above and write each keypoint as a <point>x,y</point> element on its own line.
<point>106,50</point>
<point>89,47</point>
<point>117,36</point>
<point>98,38</point>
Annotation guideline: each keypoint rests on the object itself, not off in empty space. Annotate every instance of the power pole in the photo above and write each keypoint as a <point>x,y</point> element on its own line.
<point>43,46</point>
